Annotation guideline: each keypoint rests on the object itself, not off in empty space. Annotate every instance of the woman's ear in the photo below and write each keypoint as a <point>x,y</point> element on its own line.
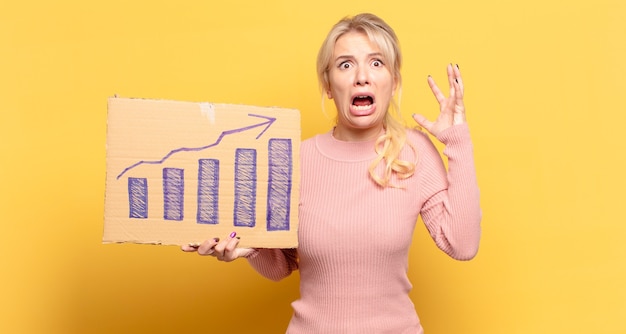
<point>396,85</point>
<point>327,86</point>
<point>397,89</point>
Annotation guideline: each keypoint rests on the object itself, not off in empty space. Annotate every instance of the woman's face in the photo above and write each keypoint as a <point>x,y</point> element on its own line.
<point>361,86</point>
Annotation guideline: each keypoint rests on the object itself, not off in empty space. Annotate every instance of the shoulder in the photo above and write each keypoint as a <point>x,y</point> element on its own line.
<point>428,158</point>
<point>309,147</point>
<point>309,143</point>
<point>414,135</point>
<point>420,141</point>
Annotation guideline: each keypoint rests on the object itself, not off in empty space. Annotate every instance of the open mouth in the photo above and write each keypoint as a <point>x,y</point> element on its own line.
<point>362,102</point>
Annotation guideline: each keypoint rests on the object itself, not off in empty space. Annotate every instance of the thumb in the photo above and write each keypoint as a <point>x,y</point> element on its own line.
<point>422,121</point>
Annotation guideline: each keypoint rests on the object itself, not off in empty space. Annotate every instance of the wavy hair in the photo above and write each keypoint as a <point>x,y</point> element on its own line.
<point>389,145</point>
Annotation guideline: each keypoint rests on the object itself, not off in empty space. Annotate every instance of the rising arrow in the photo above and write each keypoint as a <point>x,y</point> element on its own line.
<point>268,123</point>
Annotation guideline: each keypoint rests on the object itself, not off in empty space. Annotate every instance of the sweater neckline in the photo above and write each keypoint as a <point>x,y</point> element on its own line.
<point>348,151</point>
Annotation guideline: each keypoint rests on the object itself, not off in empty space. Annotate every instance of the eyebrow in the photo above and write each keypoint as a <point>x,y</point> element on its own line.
<point>370,55</point>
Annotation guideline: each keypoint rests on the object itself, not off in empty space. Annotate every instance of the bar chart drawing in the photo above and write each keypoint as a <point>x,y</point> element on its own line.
<point>173,193</point>
<point>208,191</point>
<point>279,189</point>
<point>138,197</point>
<point>246,169</point>
<point>279,186</point>
<point>245,187</point>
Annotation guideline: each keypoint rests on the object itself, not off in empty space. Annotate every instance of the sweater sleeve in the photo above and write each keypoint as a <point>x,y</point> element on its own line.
<point>274,263</point>
<point>451,209</point>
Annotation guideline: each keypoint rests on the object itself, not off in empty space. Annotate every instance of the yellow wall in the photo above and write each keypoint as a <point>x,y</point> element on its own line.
<point>545,89</point>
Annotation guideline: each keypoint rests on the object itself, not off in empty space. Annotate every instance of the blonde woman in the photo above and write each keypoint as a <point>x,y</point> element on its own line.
<point>363,185</point>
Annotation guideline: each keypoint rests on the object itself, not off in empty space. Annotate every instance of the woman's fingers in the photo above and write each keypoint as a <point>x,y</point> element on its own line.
<point>423,122</point>
<point>208,246</point>
<point>451,108</point>
<point>435,89</point>
<point>458,81</point>
<point>452,80</point>
<point>225,250</point>
<point>189,248</point>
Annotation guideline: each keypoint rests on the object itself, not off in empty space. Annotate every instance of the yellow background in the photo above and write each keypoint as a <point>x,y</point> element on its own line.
<point>544,86</point>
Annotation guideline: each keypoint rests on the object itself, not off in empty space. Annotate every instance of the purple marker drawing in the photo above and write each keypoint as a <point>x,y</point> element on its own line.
<point>280,169</point>
<point>208,191</point>
<point>279,185</point>
<point>245,187</point>
<point>173,193</point>
<point>138,197</point>
<point>268,123</point>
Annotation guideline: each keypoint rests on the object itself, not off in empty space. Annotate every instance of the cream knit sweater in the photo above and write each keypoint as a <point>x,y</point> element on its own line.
<point>354,236</point>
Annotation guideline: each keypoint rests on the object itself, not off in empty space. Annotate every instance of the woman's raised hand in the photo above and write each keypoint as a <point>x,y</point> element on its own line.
<point>451,108</point>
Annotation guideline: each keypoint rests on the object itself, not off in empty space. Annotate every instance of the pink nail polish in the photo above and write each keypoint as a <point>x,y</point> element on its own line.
<point>232,235</point>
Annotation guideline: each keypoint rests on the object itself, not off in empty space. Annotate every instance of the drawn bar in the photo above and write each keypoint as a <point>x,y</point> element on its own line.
<point>279,186</point>
<point>245,187</point>
<point>173,191</point>
<point>208,191</point>
<point>138,197</point>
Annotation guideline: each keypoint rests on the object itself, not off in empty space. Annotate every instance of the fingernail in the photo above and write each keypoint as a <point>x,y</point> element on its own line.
<point>457,80</point>
<point>238,238</point>
<point>216,239</point>
<point>457,66</point>
<point>232,235</point>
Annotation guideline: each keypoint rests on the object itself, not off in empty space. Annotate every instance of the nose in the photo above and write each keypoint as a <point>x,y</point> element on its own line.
<point>362,76</point>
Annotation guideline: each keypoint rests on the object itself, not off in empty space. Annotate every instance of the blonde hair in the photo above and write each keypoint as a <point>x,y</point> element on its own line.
<point>389,145</point>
